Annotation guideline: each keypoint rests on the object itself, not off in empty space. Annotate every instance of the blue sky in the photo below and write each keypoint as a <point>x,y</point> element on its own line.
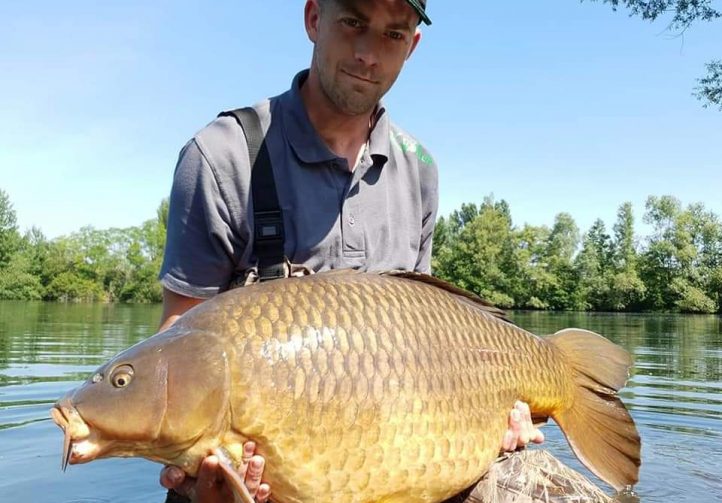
<point>554,106</point>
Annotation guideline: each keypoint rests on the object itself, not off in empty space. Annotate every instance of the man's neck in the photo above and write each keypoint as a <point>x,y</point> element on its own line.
<point>344,134</point>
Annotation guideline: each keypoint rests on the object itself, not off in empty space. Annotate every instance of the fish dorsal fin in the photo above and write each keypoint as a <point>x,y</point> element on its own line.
<point>465,295</point>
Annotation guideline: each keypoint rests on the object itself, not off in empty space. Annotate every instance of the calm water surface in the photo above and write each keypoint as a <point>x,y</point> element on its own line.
<point>675,396</point>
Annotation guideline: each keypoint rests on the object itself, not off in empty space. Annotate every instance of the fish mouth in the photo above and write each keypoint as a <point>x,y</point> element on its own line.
<point>81,444</point>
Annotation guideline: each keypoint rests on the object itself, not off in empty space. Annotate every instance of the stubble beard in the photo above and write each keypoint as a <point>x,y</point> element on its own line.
<point>348,100</point>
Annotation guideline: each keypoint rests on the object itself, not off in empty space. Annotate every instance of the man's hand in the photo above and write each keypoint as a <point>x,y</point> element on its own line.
<point>521,429</point>
<point>210,486</point>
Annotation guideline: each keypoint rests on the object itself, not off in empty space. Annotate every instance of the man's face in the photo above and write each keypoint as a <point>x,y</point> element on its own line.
<point>360,47</point>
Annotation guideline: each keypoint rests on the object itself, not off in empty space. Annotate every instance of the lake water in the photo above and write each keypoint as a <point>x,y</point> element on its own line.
<point>675,397</point>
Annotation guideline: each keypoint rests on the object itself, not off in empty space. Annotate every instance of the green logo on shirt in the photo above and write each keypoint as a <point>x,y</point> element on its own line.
<point>410,145</point>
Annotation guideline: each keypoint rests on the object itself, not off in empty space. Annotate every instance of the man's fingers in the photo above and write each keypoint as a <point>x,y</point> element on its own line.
<point>515,428</point>
<point>251,470</point>
<point>171,477</point>
<point>264,492</point>
<point>206,488</point>
<point>515,423</point>
<point>526,424</point>
<point>508,442</point>
<point>249,449</point>
<point>254,474</point>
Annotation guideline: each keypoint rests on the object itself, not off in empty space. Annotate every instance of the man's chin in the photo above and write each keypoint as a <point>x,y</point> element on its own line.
<point>357,102</point>
<point>353,98</point>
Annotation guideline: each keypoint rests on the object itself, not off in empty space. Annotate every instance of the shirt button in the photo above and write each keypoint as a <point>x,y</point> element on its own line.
<point>351,220</point>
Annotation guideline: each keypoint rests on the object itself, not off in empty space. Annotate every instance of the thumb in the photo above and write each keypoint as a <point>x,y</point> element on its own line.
<point>171,477</point>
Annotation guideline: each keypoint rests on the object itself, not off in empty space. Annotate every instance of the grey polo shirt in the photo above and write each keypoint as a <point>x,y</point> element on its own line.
<point>379,216</point>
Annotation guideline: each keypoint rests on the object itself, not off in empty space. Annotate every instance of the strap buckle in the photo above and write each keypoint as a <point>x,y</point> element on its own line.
<point>269,244</point>
<point>268,226</point>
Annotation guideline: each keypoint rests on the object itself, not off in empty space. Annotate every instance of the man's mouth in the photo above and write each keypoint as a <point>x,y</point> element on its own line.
<point>359,77</point>
<point>80,444</point>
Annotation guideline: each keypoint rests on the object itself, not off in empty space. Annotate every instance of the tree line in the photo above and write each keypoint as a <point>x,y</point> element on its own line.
<point>110,265</point>
<point>678,267</point>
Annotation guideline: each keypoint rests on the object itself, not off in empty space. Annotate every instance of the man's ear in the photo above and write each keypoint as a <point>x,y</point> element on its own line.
<point>312,16</point>
<point>414,42</point>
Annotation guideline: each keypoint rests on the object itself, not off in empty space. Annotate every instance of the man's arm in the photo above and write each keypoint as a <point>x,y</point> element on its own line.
<point>174,305</point>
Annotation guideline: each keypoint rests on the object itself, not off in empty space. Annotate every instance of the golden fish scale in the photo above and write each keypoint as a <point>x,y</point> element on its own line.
<point>355,385</point>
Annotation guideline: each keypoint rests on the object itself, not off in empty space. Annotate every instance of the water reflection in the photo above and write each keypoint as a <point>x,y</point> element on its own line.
<point>70,334</point>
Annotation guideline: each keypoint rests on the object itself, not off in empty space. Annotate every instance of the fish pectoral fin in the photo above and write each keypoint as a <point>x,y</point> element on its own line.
<point>233,479</point>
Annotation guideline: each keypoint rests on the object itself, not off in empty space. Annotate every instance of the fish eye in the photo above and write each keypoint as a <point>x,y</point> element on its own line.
<point>122,376</point>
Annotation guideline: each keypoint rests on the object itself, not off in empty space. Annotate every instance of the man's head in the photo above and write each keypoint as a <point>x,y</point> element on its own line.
<point>360,47</point>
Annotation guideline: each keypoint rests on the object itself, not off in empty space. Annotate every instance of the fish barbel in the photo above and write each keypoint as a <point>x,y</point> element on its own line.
<point>355,387</point>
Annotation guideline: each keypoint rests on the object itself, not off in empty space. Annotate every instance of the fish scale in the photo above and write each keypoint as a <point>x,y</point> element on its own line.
<point>355,387</point>
<point>428,392</point>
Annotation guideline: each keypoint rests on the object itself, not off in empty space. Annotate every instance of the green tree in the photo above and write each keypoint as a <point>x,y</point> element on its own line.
<point>715,287</point>
<point>625,252</point>
<point>593,266</point>
<point>563,292</point>
<point>17,283</point>
<point>626,289</point>
<point>705,231</point>
<point>64,277</point>
<point>145,255</point>
<point>679,265</point>
<point>446,234</point>
<point>684,13</point>
<point>21,279</point>
<point>162,213</point>
<point>533,279</point>
<point>9,237</point>
<point>477,250</point>
<point>71,287</point>
<point>660,263</point>
<point>36,247</point>
<point>709,90</point>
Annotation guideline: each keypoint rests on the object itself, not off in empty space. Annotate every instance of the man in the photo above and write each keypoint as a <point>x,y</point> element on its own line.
<point>355,190</point>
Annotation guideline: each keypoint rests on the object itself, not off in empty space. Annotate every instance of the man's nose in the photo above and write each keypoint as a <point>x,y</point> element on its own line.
<point>368,49</point>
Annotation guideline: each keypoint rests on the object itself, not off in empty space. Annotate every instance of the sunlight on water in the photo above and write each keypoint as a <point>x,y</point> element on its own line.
<point>675,396</point>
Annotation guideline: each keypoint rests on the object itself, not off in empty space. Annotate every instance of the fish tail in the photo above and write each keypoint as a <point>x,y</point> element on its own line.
<point>596,424</point>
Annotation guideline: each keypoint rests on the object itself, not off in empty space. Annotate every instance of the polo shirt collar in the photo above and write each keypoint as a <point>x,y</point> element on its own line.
<point>305,141</point>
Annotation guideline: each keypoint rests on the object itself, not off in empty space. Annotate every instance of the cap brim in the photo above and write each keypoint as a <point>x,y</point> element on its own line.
<point>420,10</point>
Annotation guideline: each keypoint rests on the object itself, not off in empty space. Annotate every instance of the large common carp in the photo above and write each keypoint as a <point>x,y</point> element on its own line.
<point>356,388</point>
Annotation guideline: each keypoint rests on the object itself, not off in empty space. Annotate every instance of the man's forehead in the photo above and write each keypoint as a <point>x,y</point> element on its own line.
<point>400,9</point>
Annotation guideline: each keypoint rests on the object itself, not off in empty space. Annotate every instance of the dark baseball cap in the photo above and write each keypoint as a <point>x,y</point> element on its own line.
<point>420,7</point>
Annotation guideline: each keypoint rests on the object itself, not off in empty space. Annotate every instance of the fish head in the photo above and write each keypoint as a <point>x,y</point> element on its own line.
<point>153,400</point>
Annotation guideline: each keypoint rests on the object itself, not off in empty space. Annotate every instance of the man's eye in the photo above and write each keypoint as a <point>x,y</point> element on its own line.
<point>396,35</point>
<point>351,22</point>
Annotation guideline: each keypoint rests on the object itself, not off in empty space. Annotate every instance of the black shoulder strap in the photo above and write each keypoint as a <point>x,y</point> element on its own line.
<point>267,216</point>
